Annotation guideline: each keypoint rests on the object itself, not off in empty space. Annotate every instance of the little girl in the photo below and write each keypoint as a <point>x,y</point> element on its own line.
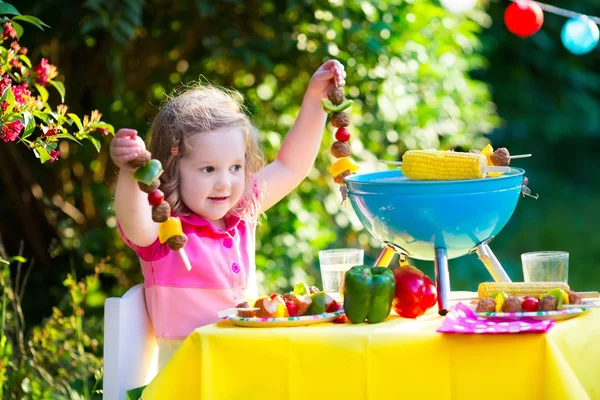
<point>215,181</point>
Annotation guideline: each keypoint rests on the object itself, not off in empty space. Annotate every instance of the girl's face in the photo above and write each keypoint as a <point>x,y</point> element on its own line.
<point>211,174</point>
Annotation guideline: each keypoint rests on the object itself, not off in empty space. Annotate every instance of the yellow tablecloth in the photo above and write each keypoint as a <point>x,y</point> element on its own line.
<point>396,359</point>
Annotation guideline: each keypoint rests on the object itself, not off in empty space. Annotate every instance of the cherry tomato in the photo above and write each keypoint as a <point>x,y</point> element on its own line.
<point>156,198</point>
<point>530,304</point>
<point>292,308</point>
<point>342,135</point>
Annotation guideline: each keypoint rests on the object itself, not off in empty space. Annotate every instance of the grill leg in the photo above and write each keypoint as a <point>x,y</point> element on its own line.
<point>385,257</point>
<point>442,279</point>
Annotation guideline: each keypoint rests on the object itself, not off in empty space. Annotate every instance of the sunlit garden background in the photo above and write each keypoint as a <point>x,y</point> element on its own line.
<point>421,77</point>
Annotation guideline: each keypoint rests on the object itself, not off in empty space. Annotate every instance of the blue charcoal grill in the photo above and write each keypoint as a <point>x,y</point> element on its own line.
<point>436,220</point>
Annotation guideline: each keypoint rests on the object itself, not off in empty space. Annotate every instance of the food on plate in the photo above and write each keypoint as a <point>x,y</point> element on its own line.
<point>368,293</point>
<point>490,289</point>
<point>270,308</point>
<point>512,304</point>
<point>317,305</point>
<point>524,301</point>
<point>486,305</point>
<point>548,303</point>
<point>530,304</point>
<point>303,300</point>
<point>245,313</point>
<point>415,293</point>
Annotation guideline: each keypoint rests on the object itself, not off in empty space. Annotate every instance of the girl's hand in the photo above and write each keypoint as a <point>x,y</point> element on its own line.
<point>126,146</point>
<point>330,74</point>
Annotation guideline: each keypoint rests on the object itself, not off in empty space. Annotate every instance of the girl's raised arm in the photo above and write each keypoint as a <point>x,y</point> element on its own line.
<point>134,213</point>
<point>301,145</point>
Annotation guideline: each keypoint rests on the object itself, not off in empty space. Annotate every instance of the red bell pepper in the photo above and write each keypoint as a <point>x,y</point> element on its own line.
<point>415,292</point>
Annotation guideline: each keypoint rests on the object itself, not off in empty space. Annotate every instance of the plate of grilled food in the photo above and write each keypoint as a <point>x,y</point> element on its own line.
<point>536,300</point>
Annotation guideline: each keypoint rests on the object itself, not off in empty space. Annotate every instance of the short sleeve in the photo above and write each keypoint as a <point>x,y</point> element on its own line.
<point>154,252</point>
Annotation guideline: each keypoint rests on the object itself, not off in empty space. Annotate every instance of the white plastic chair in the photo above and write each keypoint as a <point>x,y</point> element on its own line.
<point>130,349</point>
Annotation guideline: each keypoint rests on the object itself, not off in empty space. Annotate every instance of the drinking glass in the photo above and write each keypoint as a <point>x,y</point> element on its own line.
<point>334,264</point>
<point>545,266</point>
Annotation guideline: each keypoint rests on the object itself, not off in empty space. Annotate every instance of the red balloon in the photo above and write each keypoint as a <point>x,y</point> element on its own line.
<point>524,18</point>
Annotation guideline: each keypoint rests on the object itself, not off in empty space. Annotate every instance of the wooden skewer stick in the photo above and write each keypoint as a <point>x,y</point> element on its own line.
<point>233,310</point>
<point>520,156</point>
<point>185,259</point>
<point>488,168</point>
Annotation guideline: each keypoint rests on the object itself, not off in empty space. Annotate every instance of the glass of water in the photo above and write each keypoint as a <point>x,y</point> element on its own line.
<point>545,266</point>
<point>334,264</point>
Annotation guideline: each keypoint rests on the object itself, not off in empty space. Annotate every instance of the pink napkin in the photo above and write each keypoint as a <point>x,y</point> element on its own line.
<point>461,319</point>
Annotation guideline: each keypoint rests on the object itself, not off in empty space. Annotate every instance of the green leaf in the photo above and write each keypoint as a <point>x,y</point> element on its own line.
<point>9,97</point>
<point>103,125</point>
<point>43,92</point>
<point>95,142</point>
<point>3,261</point>
<point>32,20</point>
<point>43,116</point>
<point>8,9</point>
<point>77,121</point>
<point>25,59</point>
<point>61,89</point>
<point>18,28</point>
<point>18,259</point>
<point>67,136</point>
<point>29,124</point>
<point>42,154</point>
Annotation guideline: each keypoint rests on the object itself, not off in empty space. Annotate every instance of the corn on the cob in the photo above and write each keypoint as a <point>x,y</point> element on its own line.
<point>443,165</point>
<point>489,289</point>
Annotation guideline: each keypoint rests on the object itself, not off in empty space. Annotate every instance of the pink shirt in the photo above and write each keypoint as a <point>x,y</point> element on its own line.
<point>223,273</point>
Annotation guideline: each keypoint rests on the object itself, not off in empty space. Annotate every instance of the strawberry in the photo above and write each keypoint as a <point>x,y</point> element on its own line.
<point>292,308</point>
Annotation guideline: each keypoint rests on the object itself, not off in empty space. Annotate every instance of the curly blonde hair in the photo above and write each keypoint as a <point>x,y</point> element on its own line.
<point>196,109</point>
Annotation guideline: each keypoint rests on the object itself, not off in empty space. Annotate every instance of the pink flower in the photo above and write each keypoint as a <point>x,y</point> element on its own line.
<point>44,71</point>
<point>21,93</point>
<point>54,154</point>
<point>50,132</point>
<point>9,31</point>
<point>11,130</point>
<point>5,83</point>
<point>4,106</point>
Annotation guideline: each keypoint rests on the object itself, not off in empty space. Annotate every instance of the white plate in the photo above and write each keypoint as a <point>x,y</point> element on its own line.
<point>537,315</point>
<point>283,322</point>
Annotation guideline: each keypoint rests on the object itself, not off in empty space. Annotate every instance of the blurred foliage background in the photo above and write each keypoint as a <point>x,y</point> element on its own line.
<point>421,77</point>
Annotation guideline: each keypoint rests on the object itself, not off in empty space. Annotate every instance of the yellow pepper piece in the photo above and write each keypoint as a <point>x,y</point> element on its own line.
<point>565,296</point>
<point>341,165</point>
<point>500,297</point>
<point>281,311</point>
<point>487,152</point>
<point>169,228</point>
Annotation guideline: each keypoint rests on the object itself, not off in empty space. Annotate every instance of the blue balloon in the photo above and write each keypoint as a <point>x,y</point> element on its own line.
<point>580,35</point>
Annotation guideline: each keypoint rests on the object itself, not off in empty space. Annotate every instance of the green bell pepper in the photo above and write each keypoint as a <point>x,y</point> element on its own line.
<point>329,107</point>
<point>368,293</point>
<point>149,172</point>
<point>317,306</point>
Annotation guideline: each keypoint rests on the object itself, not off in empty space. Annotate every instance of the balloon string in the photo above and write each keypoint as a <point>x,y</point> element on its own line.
<point>560,11</point>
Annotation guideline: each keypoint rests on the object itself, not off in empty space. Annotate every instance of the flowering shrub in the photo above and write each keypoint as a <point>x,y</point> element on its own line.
<point>26,116</point>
